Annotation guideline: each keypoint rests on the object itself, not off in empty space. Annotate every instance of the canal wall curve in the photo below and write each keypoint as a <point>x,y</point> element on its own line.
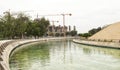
<point>7,46</point>
<point>115,45</point>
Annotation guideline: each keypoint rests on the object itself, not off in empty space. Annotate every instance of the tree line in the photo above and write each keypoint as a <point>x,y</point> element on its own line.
<point>90,32</point>
<point>22,26</point>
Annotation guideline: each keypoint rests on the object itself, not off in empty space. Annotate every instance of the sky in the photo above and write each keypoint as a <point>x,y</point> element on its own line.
<point>86,14</point>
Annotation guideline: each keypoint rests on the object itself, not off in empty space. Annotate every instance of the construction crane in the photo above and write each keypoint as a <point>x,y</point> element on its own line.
<point>53,28</point>
<point>64,22</point>
<point>59,15</point>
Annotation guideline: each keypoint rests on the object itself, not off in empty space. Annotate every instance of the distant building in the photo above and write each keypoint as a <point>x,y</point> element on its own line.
<point>74,28</point>
<point>69,28</point>
<point>56,30</point>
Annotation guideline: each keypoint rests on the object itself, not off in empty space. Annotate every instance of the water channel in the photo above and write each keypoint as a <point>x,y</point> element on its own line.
<point>64,55</point>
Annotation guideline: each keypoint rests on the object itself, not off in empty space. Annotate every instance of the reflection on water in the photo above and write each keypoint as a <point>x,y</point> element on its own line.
<point>64,55</point>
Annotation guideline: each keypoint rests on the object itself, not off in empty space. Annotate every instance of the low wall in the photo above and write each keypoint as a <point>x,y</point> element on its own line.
<point>97,43</point>
<point>4,63</point>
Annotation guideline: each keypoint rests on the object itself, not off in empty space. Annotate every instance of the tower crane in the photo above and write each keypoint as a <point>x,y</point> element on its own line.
<point>63,15</point>
<point>53,28</point>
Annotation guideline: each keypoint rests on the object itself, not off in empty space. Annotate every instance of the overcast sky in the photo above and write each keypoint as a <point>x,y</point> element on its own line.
<point>86,14</point>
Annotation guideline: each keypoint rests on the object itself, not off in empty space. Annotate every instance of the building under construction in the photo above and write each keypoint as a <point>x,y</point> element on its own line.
<point>56,30</point>
<point>59,30</point>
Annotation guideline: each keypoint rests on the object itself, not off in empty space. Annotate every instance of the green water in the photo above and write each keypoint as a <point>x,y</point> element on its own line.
<point>64,55</point>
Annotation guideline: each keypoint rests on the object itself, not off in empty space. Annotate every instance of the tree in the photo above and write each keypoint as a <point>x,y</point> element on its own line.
<point>90,32</point>
<point>86,35</point>
<point>43,26</point>
<point>21,26</point>
<point>73,33</point>
<point>40,27</point>
<point>8,25</point>
<point>1,28</point>
<point>57,34</point>
<point>94,30</point>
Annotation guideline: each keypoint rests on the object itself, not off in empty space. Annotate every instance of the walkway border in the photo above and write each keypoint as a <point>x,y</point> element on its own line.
<point>98,44</point>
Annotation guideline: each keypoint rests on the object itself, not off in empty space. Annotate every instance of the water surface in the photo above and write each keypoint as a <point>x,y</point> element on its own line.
<point>64,55</point>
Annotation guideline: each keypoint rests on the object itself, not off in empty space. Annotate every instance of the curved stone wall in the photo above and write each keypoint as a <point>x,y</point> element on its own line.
<point>7,46</point>
<point>98,43</point>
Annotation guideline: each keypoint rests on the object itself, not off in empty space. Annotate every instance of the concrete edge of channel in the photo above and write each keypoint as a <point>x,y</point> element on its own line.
<point>4,65</point>
<point>112,45</point>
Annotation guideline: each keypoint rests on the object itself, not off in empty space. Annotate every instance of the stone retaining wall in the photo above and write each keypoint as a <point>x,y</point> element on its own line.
<point>8,46</point>
<point>97,43</point>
